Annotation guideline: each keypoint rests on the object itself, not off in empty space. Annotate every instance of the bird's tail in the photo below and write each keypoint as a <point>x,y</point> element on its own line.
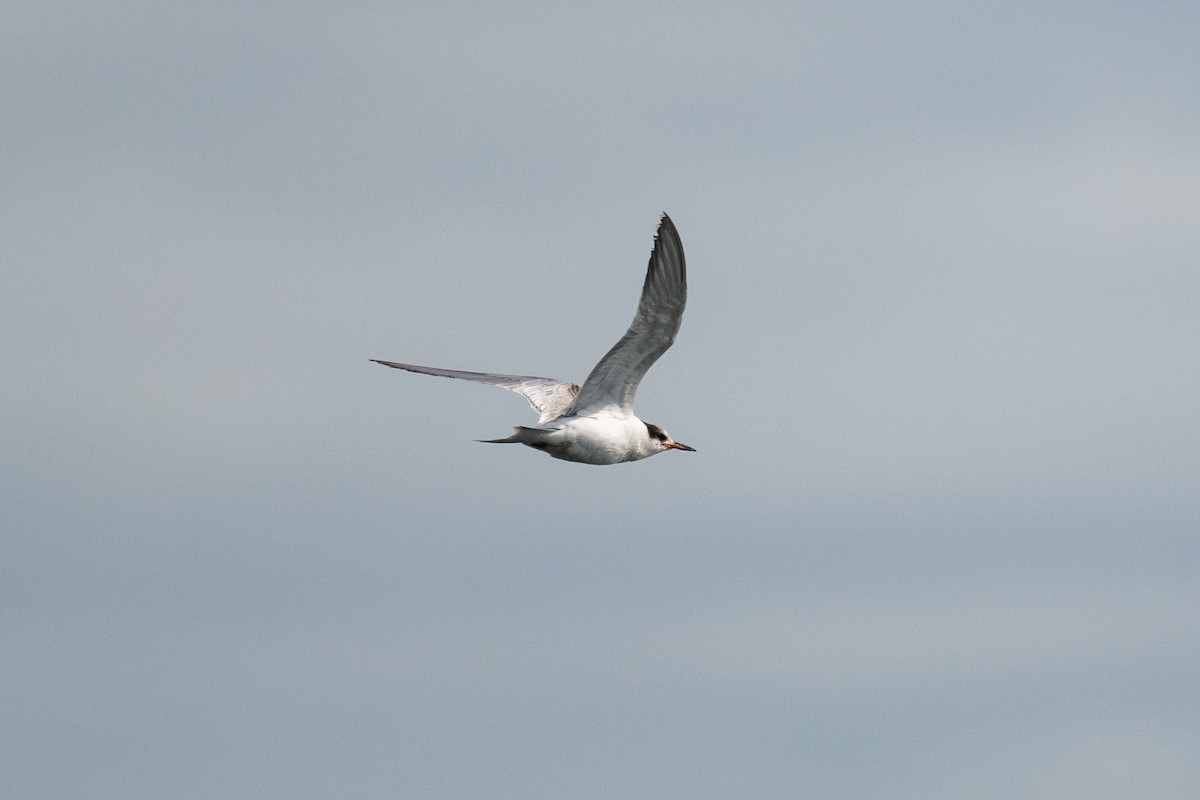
<point>521,435</point>
<point>514,439</point>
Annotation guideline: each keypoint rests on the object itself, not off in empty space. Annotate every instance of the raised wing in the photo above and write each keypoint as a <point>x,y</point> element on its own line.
<point>614,381</point>
<point>549,397</point>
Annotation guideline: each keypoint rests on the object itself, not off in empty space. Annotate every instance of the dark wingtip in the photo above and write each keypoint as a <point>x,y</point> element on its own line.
<point>666,226</point>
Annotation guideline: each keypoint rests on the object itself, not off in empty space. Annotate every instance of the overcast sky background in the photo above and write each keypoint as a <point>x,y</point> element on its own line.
<point>939,539</point>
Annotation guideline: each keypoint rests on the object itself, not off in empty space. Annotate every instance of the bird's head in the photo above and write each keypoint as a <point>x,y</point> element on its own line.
<point>661,440</point>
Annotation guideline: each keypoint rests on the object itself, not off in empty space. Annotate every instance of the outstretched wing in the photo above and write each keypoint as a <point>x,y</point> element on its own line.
<point>614,381</point>
<point>549,397</point>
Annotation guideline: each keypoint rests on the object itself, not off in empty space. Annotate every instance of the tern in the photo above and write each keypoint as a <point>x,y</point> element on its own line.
<point>594,423</point>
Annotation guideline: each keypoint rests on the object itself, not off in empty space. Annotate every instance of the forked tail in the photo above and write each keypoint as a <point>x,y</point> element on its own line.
<point>514,439</point>
<point>534,437</point>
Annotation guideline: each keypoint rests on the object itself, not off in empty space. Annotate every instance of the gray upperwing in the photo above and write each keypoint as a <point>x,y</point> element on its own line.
<point>549,397</point>
<point>614,380</point>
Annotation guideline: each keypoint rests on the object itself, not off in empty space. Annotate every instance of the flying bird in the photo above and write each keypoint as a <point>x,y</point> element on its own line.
<point>594,423</point>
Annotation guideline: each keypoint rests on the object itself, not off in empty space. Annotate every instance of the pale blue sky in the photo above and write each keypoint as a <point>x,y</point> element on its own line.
<point>939,539</point>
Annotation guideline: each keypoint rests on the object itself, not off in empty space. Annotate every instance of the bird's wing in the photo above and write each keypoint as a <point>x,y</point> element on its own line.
<point>614,381</point>
<point>549,397</point>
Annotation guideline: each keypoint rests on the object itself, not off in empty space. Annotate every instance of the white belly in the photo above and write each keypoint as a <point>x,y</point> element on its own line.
<point>597,440</point>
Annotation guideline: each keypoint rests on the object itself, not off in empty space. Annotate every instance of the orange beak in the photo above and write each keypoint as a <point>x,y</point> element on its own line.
<point>677,446</point>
